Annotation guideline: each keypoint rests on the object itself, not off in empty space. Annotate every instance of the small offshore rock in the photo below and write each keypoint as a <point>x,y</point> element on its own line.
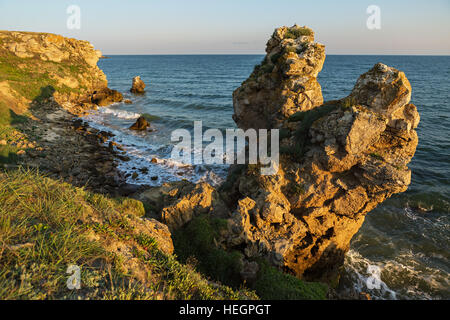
<point>141,124</point>
<point>105,97</point>
<point>138,85</point>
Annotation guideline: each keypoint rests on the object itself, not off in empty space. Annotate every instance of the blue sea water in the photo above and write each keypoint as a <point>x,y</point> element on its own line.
<point>409,246</point>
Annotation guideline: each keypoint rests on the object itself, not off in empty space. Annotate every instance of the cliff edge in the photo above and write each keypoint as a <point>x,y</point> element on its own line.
<point>39,66</point>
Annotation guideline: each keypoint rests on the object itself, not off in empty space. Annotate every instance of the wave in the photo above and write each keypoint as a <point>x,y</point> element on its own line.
<point>121,114</point>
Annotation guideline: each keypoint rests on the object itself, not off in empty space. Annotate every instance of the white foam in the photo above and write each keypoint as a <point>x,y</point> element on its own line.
<point>121,114</point>
<point>365,278</point>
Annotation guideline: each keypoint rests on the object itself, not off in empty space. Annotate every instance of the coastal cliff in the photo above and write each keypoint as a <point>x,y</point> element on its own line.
<point>339,160</point>
<point>38,66</point>
<point>46,80</point>
<point>60,190</point>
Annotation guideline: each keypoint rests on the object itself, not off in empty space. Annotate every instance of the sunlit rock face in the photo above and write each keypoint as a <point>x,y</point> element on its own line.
<point>339,159</point>
<point>284,83</point>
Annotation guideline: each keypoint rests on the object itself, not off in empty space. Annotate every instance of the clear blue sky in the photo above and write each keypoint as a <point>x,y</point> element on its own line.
<point>237,26</point>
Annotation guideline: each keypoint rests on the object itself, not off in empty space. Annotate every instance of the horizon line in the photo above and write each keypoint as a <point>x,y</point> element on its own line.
<point>262,54</point>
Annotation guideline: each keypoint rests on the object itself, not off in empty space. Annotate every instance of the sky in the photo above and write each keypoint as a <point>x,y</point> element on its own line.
<point>237,26</point>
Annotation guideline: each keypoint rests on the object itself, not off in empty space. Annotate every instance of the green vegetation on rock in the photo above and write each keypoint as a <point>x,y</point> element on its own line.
<point>306,119</point>
<point>297,32</point>
<point>196,243</point>
<point>198,239</point>
<point>275,285</point>
<point>31,77</point>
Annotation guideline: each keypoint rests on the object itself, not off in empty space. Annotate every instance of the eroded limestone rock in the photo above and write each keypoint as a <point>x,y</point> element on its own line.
<point>284,83</point>
<point>177,203</point>
<point>339,160</point>
<point>342,159</point>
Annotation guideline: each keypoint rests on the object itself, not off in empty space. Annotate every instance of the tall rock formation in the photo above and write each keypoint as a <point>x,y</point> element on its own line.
<point>339,159</point>
<point>284,83</point>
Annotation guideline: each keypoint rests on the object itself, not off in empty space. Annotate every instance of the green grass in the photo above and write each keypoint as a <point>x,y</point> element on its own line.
<point>297,32</point>
<point>275,285</point>
<point>9,117</point>
<point>30,77</point>
<point>196,242</point>
<point>8,154</point>
<point>47,225</point>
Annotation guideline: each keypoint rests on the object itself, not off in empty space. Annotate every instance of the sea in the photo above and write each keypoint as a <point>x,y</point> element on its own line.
<point>401,251</point>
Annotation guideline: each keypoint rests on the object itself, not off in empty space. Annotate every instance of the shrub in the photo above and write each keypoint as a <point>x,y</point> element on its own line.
<point>297,32</point>
<point>197,240</point>
<point>275,285</point>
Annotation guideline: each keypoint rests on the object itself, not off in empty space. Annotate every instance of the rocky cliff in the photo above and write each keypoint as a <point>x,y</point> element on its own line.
<point>339,160</point>
<point>284,83</point>
<point>36,66</point>
<point>46,80</point>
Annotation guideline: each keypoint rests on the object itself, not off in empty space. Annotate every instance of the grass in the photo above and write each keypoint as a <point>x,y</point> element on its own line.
<point>297,32</point>
<point>47,225</point>
<point>8,153</point>
<point>196,242</point>
<point>30,77</point>
<point>275,285</point>
<point>9,117</point>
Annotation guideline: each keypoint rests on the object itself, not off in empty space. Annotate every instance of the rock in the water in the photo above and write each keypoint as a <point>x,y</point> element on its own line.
<point>138,85</point>
<point>105,97</point>
<point>339,160</point>
<point>141,124</point>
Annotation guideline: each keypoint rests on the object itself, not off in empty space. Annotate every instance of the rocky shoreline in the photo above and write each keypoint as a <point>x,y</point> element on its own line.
<point>52,137</point>
<point>66,147</point>
<point>339,159</point>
